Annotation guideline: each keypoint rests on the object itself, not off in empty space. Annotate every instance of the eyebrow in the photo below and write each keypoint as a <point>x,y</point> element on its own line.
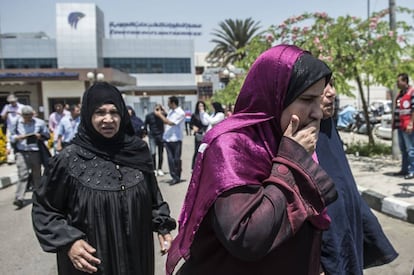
<point>103,108</point>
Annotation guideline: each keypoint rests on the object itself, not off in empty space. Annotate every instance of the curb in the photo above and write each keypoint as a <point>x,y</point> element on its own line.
<point>7,181</point>
<point>388,205</point>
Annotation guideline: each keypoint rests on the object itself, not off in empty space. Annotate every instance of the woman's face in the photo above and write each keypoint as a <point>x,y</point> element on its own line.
<point>307,106</point>
<point>328,101</point>
<point>201,106</point>
<point>106,120</point>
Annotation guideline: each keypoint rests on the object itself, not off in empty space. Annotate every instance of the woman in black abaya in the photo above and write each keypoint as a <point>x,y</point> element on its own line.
<point>99,203</point>
<point>355,240</point>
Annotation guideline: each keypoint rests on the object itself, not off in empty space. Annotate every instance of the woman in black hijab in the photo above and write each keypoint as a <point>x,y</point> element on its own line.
<point>355,240</point>
<point>99,202</point>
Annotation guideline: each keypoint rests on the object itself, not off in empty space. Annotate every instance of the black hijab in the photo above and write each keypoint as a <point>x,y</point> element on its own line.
<point>306,72</point>
<point>124,148</point>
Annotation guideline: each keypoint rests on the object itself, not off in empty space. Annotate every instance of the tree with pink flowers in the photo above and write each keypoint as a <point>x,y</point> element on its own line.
<point>366,51</point>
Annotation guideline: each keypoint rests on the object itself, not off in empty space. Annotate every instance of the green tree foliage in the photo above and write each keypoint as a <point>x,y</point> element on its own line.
<point>231,39</point>
<point>354,48</point>
<point>253,49</point>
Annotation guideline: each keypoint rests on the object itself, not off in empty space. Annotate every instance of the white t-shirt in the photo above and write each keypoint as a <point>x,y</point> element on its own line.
<point>175,132</point>
<point>13,115</point>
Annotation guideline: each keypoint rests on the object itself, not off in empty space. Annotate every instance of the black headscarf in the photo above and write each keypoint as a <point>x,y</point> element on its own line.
<point>124,148</point>
<point>306,72</point>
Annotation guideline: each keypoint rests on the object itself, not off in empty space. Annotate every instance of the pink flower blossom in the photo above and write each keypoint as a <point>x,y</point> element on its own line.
<point>269,38</point>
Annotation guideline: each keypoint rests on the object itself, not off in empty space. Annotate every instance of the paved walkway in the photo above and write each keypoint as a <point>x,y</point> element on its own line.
<point>383,192</point>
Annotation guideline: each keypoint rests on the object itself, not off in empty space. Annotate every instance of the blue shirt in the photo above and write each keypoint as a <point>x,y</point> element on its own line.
<point>36,125</point>
<point>67,128</point>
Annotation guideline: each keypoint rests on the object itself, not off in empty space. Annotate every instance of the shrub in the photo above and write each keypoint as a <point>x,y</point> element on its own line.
<point>368,150</point>
<point>3,142</point>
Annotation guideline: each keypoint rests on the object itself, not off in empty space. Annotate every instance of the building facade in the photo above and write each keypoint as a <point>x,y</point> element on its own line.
<point>41,70</point>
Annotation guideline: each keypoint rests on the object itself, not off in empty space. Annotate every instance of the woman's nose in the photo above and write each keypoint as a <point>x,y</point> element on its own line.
<point>107,117</point>
<point>317,110</point>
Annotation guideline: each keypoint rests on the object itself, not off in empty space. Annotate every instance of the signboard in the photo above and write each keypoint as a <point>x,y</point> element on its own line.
<point>154,28</point>
<point>39,75</point>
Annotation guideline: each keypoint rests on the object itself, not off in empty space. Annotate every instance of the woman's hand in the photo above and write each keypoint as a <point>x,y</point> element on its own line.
<point>80,254</point>
<point>307,136</point>
<point>165,243</point>
<point>195,129</point>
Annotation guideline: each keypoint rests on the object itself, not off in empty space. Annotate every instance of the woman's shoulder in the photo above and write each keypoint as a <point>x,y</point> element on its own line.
<point>232,139</point>
<point>72,154</point>
<point>74,150</point>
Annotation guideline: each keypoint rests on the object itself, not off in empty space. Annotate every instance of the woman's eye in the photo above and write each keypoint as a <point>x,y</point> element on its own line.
<point>100,113</point>
<point>308,99</point>
<point>103,113</point>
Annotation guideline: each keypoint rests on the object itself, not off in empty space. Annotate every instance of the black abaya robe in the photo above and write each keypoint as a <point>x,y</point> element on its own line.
<point>355,239</point>
<point>114,208</point>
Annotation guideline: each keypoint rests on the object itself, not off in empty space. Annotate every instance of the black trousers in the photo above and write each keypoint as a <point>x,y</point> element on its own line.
<point>174,158</point>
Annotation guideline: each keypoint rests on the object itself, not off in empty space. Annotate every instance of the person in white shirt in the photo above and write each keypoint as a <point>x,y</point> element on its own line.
<point>173,137</point>
<point>11,113</point>
<point>216,117</point>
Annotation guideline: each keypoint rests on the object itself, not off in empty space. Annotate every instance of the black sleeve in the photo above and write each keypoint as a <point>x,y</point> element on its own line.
<point>48,212</point>
<point>161,220</point>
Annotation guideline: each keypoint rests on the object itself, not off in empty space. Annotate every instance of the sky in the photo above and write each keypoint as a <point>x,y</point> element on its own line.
<point>40,15</point>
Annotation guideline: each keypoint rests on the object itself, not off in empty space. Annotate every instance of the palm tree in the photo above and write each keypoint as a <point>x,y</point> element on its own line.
<point>231,39</point>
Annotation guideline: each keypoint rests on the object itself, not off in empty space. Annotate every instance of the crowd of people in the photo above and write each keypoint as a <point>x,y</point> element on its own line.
<point>289,211</point>
<point>160,128</point>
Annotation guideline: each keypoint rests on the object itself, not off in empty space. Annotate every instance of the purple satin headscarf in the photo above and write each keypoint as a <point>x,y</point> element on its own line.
<point>260,103</point>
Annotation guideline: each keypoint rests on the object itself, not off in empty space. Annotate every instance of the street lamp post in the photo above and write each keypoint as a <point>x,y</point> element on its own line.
<point>227,74</point>
<point>94,77</point>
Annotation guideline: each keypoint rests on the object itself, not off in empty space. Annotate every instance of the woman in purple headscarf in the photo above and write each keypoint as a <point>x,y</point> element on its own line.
<point>256,199</point>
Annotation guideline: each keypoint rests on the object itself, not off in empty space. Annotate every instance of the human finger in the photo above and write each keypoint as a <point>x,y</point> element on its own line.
<point>81,257</point>
<point>87,254</point>
<point>292,127</point>
<point>86,266</point>
<point>165,242</point>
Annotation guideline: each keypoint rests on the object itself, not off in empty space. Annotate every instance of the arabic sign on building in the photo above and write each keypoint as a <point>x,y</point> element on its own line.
<point>154,28</point>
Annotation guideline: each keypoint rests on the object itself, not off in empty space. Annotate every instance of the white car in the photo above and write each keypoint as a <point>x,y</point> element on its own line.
<point>384,129</point>
<point>380,107</point>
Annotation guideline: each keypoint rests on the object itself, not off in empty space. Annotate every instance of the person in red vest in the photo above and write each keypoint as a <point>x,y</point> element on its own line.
<point>403,121</point>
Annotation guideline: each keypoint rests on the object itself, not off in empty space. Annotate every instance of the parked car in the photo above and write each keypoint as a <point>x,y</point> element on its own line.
<point>384,129</point>
<point>380,107</point>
